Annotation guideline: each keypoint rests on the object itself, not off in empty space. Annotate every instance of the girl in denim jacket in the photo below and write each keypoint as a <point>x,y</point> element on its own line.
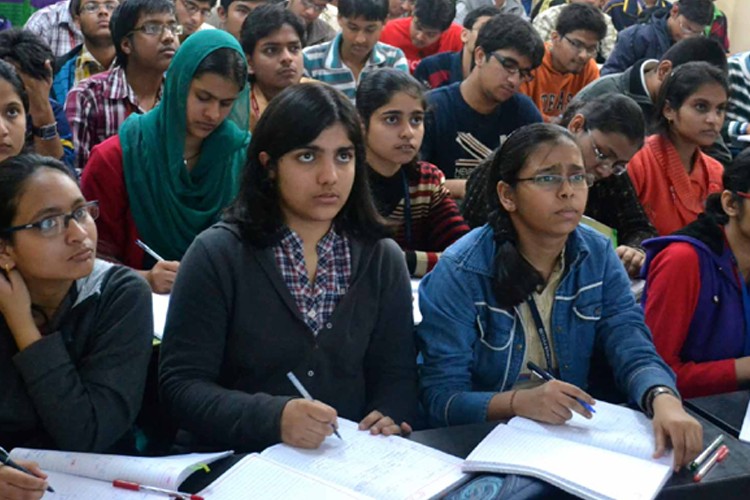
<point>534,286</point>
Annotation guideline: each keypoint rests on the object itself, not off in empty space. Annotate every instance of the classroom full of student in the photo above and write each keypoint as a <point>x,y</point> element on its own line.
<point>282,176</point>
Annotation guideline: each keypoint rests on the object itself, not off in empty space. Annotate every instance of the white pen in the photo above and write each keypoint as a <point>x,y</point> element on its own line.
<point>148,250</point>
<point>301,389</point>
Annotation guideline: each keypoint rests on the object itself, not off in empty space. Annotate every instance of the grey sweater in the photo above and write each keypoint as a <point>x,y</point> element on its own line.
<point>80,387</point>
<point>234,331</point>
<point>463,7</point>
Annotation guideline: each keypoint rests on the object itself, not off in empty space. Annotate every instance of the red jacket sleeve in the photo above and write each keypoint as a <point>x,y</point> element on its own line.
<point>673,286</point>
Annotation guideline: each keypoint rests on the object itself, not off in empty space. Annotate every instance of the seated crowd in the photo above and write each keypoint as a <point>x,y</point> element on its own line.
<point>283,169</point>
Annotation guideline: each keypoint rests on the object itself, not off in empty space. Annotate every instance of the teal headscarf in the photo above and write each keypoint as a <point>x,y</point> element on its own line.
<point>169,204</point>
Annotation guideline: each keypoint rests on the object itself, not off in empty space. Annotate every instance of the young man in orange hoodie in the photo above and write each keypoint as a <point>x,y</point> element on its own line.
<point>568,63</point>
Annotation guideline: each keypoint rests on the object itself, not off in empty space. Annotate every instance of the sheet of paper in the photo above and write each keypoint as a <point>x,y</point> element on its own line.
<point>68,487</point>
<point>415,301</point>
<point>268,480</point>
<point>745,431</point>
<point>165,472</point>
<point>612,427</point>
<point>160,305</point>
<point>377,466</point>
<point>580,469</point>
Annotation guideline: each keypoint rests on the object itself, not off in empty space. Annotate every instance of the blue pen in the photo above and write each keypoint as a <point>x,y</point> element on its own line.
<point>544,374</point>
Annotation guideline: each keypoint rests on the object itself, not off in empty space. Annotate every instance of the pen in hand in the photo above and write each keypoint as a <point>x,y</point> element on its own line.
<point>6,460</point>
<point>544,374</point>
<point>303,392</point>
<point>149,250</point>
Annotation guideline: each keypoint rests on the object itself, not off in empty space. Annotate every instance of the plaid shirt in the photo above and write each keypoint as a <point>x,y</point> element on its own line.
<point>56,27</point>
<point>315,300</point>
<point>96,108</point>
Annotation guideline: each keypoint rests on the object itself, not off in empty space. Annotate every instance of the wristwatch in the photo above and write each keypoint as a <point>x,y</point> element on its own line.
<point>45,132</point>
<point>648,406</point>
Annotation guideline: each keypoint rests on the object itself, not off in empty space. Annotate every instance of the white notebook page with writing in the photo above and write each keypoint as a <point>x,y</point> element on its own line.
<point>382,467</point>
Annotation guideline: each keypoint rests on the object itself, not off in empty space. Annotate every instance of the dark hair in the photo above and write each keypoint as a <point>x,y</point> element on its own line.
<point>508,31</point>
<point>681,84</point>
<point>292,120</point>
<point>9,74</point>
<point>581,16</point>
<point>435,14</point>
<point>74,8</point>
<point>370,10</point>
<point>736,178</point>
<point>694,49</point>
<point>126,16</point>
<point>27,51</point>
<point>264,21</point>
<point>224,62</point>
<point>483,11</point>
<point>14,172</point>
<point>611,114</point>
<point>697,11</point>
<point>514,277</point>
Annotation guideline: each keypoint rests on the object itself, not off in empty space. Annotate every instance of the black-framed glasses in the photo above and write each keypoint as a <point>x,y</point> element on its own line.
<point>616,167</point>
<point>95,7</point>
<point>193,8</point>
<point>553,182</point>
<point>580,46</point>
<point>157,29</point>
<point>50,227</point>
<point>309,4</point>
<point>511,66</point>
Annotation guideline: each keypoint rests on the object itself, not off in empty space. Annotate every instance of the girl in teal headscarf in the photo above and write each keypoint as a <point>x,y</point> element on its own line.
<point>169,173</point>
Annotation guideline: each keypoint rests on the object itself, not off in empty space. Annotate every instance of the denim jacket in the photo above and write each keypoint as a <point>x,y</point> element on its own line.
<point>474,349</point>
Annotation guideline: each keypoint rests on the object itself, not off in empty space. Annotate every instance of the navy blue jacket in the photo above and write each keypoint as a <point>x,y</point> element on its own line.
<point>640,41</point>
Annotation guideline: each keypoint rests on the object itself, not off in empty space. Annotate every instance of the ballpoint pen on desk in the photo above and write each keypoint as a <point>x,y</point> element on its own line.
<point>128,485</point>
<point>544,374</point>
<point>6,460</point>
<point>706,453</point>
<point>149,250</point>
<point>718,456</point>
<point>301,389</point>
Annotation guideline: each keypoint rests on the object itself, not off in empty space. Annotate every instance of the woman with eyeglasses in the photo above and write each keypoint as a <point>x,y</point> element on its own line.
<point>75,331</point>
<point>671,174</point>
<point>169,173</point>
<point>609,130</point>
<point>696,298</point>
<point>534,285</point>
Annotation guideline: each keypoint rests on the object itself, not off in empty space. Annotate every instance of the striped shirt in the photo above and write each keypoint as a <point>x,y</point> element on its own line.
<point>317,299</point>
<point>96,108</point>
<point>56,27</point>
<point>323,62</point>
<point>738,109</point>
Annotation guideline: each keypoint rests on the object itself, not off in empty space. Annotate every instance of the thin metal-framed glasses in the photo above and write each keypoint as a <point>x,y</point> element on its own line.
<point>157,29</point>
<point>616,167</point>
<point>553,182</point>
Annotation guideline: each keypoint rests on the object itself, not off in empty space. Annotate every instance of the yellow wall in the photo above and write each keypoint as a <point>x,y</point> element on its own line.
<point>738,14</point>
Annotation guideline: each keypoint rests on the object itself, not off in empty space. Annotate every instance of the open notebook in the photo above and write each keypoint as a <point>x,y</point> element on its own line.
<point>607,457</point>
<point>90,475</point>
<point>359,466</point>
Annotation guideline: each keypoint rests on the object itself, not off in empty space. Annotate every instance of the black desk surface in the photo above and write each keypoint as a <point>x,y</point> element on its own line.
<point>726,411</point>
<point>728,480</point>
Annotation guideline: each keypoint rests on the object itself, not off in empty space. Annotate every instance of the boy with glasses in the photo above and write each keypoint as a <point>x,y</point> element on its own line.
<point>317,30</point>
<point>686,19</point>
<point>191,15</point>
<point>465,121</point>
<point>97,52</point>
<point>145,35</point>
<point>429,31</point>
<point>568,63</point>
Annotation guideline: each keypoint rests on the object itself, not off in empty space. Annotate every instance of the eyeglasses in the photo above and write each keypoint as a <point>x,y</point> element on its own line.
<point>616,167</point>
<point>553,182</point>
<point>512,67</point>
<point>157,29</point>
<point>193,8</point>
<point>687,30</point>
<point>95,7</point>
<point>309,4</point>
<point>50,227</point>
<point>580,46</point>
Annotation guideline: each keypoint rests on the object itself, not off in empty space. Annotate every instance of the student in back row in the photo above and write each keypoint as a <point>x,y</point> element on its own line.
<point>534,285</point>
<point>302,281</point>
<point>356,51</point>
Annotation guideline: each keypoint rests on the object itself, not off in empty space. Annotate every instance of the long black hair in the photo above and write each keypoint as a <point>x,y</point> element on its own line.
<point>514,277</point>
<point>736,178</point>
<point>293,120</point>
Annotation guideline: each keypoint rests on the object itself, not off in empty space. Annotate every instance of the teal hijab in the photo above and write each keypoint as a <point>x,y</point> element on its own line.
<point>170,205</point>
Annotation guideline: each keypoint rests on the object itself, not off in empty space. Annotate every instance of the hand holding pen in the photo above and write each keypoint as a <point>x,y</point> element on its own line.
<point>553,402</point>
<point>25,477</point>
<point>161,277</point>
<point>305,423</point>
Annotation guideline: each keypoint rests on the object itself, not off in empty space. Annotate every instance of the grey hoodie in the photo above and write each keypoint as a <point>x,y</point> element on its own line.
<point>463,7</point>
